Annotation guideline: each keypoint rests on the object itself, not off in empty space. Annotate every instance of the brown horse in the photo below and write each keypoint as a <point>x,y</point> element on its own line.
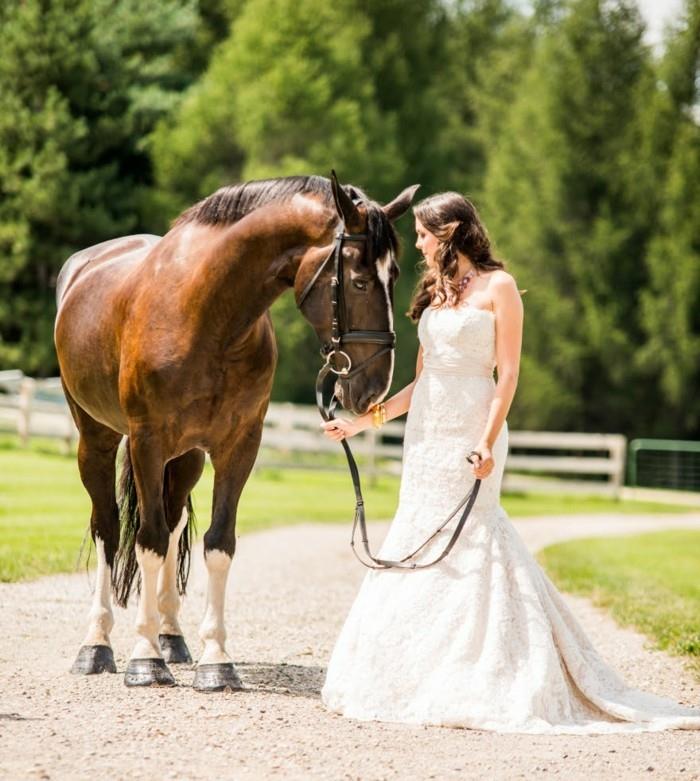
<point>169,342</point>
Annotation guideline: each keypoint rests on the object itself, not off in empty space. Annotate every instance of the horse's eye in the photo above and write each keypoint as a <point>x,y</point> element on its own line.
<point>360,284</point>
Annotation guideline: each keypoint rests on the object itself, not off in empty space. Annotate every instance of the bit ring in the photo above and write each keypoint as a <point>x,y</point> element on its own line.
<point>346,369</point>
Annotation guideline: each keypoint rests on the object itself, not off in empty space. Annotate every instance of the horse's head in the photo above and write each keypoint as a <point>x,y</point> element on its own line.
<point>346,292</point>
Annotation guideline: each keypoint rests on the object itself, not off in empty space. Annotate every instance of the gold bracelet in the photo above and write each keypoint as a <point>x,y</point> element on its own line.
<point>378,415</point>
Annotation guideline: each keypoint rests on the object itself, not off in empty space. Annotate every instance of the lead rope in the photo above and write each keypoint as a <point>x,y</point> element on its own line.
<point>328,413</point>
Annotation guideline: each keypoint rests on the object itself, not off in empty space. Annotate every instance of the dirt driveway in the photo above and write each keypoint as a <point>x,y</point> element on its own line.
<point>289,593</point>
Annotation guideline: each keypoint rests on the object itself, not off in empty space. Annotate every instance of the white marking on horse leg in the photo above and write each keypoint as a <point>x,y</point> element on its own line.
<point>147,646</point>
<point>101,619</point>
<point>213,630</point>
<point>168,597</point>
<point>383,272</point>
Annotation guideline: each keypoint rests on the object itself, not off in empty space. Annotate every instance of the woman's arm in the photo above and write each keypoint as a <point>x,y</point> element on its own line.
<point>508,309</point>
<point>400,402</point>
<point>397,405</point>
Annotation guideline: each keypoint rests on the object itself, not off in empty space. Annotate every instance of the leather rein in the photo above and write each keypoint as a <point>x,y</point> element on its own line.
<point>339,364</point>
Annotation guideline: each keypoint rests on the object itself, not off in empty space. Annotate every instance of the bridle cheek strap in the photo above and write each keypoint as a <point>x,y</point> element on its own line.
<point>332,351</point>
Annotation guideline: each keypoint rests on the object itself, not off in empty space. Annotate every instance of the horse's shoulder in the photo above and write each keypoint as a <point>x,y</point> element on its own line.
<point>90,258</point>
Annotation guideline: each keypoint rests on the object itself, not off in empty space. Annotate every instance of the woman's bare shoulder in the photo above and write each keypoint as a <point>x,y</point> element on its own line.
<point>501,280</point>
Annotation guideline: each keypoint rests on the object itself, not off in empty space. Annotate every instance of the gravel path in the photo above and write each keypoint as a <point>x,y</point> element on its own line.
<point>290,590</point>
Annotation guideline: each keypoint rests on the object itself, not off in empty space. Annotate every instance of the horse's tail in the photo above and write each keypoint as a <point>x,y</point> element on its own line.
<point>184,546</point>
<point>126,568</point>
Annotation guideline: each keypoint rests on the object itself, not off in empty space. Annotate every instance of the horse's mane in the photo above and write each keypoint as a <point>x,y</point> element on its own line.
<point>230,204</point>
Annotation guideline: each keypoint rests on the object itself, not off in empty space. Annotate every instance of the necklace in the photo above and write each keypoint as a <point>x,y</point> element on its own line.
<point>466,279</point>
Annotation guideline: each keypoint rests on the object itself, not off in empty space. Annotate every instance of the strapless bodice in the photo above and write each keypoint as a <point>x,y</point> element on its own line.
<point>458,340</point>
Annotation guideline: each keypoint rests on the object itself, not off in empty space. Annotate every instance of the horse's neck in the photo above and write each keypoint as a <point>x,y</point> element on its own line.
<point>253,261</point>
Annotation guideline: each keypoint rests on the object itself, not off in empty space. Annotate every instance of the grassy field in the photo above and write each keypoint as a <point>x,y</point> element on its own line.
<point>44,510</point>
<point>648,581</point>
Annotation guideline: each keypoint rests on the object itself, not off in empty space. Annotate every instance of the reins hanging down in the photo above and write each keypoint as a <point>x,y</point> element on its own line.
<point>325,388</point>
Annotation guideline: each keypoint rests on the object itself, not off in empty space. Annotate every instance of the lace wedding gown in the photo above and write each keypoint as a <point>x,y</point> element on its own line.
<point>483,639</point>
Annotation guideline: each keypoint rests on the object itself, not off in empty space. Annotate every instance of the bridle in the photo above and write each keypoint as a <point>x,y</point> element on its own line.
<point>331,352</point>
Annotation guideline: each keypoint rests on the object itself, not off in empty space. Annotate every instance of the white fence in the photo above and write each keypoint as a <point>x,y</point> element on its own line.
<point>544,454</point>
<point>35,408</point>
<point>537,460</point>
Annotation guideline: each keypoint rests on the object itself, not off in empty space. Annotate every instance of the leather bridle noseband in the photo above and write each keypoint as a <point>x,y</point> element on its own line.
<point>331,351</point>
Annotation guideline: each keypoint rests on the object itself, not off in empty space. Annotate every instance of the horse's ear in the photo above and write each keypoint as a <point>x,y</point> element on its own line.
<point>343,203</point>
<point>399,206</point>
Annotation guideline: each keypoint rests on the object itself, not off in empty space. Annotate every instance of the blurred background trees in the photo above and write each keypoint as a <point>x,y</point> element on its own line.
<point>577,140</point>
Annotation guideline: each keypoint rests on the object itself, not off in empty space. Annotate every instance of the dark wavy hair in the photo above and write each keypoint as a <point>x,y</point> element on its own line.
<point>453,219</point>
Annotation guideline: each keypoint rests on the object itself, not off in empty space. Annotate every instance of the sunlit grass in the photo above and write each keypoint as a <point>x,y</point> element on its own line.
<point>648,581</point>
<point>44,509</point>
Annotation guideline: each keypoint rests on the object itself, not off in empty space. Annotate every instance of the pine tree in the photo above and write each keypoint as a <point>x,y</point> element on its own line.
<point>561,205</point>
<point>671,304</point>
<point>82,83</point>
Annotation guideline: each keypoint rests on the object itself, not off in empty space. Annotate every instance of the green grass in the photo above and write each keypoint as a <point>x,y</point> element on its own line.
<point>44,510</point>
<point>647,581</point>
<point>519,505</point>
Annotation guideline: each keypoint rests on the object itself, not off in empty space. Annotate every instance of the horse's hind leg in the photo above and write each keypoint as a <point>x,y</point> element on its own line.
<point>181,475</point>
<point>97,453</point>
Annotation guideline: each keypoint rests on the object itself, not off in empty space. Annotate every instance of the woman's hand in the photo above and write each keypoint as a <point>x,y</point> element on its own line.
<point>340,428</point>
<point>483,463</point>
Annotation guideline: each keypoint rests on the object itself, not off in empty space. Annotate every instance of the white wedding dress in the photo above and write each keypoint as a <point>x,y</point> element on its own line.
<point>483,639</point>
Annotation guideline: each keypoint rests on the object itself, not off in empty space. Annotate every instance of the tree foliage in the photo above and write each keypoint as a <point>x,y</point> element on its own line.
<point>579,144</point>
<point>82,84</point>
<point>669,303</point>
<point>562,207</point>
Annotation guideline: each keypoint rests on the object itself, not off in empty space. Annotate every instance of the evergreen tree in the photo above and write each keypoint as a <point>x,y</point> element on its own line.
<point>488,45</point>
<point>82,83</point>
<point>561,205</point>
<point>671,304</point>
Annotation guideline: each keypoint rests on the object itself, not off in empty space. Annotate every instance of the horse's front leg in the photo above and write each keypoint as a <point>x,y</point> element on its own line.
<point>232,466</point>
<point>146,666</point>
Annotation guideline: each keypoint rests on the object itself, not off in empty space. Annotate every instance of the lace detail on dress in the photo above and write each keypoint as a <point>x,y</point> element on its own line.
<point>483,639</point>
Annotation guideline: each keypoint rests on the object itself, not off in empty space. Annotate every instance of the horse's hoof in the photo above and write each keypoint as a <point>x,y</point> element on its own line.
<point>94,659</point>
<point>174,649</point>
<point>216,678</point>
<point>148,672</point>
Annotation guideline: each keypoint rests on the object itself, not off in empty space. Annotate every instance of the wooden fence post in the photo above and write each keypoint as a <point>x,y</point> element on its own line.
<point>618,449</point>
<point>26,396</point>
<point>71,435</point>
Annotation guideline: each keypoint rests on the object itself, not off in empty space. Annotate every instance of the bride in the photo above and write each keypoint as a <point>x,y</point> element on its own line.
<point>483,639</point>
